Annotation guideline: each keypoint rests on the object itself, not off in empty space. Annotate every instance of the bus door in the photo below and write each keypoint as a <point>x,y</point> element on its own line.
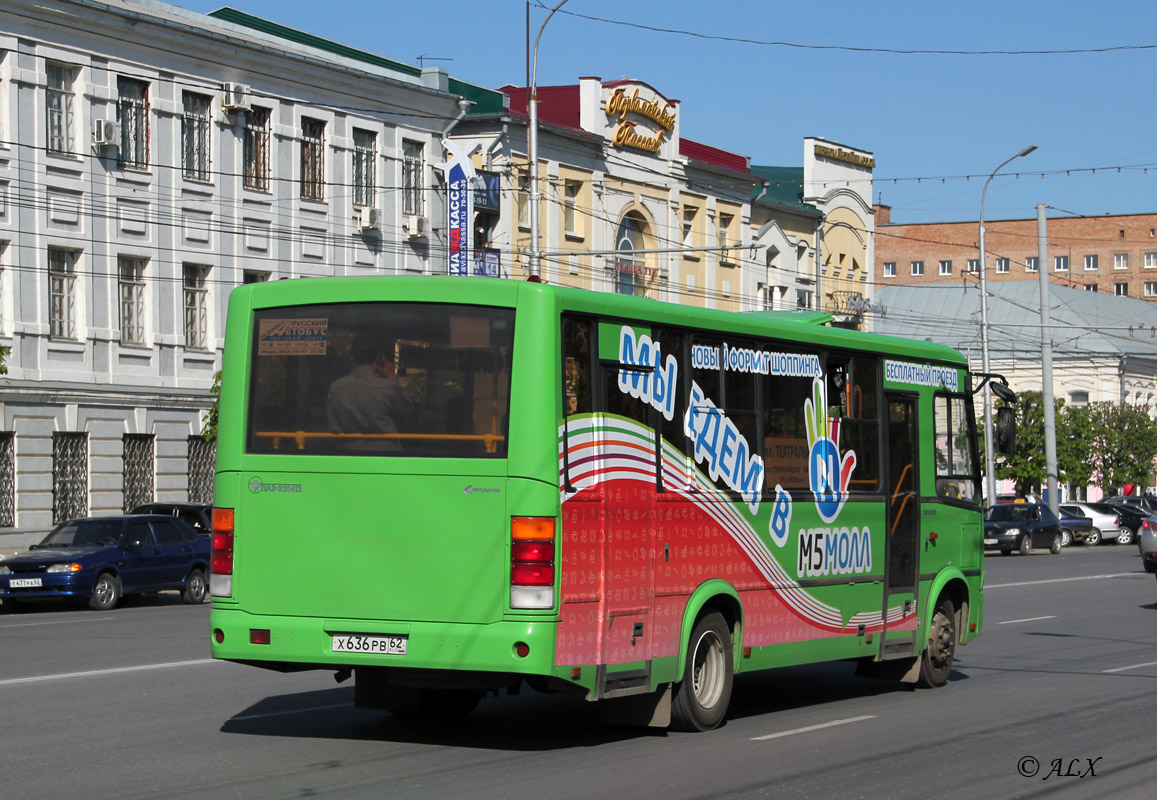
<point>901,554</point>
<point>629,498</point>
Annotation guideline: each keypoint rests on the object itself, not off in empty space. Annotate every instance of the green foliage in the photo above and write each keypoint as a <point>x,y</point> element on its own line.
<point>5,351</point>
<point>209,429</point>
<point>1109,444</point>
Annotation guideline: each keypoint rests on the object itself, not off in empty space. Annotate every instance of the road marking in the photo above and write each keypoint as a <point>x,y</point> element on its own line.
<point>95,672</point>
<point>812,728</point>
<point>291,711</point>
<point>1066,580</point>
<point>1133,666</point>
<point>1026,619</point>
<point>57,622</point>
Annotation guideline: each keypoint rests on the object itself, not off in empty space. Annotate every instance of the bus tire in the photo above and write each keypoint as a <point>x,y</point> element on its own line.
<point>701,698</point>
<point>936,660</point>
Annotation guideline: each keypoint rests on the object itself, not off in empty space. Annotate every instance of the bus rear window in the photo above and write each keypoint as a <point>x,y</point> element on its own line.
<point>381,379</point>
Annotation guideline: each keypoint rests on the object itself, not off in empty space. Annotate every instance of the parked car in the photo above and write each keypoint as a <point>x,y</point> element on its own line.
<point>199,515</point>
<point>1142,501</point>
<point>1020,527</point>
<point>1147,541</point>
<point>1106,519</point>
<point>1076,525</point>
<point>102,559</point>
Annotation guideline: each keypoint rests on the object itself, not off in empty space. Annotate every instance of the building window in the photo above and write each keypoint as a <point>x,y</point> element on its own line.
<point>803,298</point>
<point>1090,287</point>
<point>1002,265</point>
<point>253,276</point>
<point>60,134</point>
<point>1151,288</point>
<point>889,269</point>
<point>7,479</point>
<point>1032,264</point>
<point>1121,289</point>
<point>723,236</point>
<point>1091,262</point>
<point>365,166</point>
<point>312,159</point>
<point>196,307</point>
<point>570,193</point>
<point>1120,261</point>
<point>202,462</point>
<point>974,265</point>
<point>132,285</point>
<point>133,113</point>
<point>1151,261</point>
<point>256,149</point>
<point>412,170</point>
<point>629,267</point>
<point>917,267</point>
<point>195,127</point>
<point>523,200</point>
<point>1061,264</point>
<point>1079,399</point>
<point>137,465</point>
<point>69,476</point>
<point>945,267</point>
<point>689,213</point>
<point>62,293</point>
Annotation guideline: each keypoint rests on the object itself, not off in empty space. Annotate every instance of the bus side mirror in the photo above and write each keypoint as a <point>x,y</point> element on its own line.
<point>1005,431</point>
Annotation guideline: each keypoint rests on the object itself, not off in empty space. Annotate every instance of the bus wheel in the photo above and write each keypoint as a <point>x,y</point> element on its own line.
<point>701,699</point>
<point>936,661</point>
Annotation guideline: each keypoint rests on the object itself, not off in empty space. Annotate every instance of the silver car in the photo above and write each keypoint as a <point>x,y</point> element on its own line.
<point>1148,543</point>
<point>1106,523</point>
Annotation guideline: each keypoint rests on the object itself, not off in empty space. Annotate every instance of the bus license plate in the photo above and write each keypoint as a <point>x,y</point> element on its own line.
<point>25,583</point>
<point>358,643</point>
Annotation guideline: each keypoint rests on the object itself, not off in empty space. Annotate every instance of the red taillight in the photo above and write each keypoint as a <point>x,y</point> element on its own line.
<point>221,566</point>
<point>222,553</point>
<point>532,562</point>
<point>259,636</point>
<point>532,574</point>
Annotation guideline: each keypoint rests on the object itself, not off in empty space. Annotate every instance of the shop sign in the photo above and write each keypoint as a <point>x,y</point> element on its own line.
<point>460,180</point>
<point>627,133</point>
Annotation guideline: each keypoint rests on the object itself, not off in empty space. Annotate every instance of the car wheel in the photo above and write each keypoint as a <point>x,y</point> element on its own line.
<point>1094,537</point>
<point>1055,547</point>
<point>1006,552</point>
<point>701,698</point>
<point>936,660</point>
<point>105,592</point>
<point>1149,566</point>
<point>1025,545</point>
<point>195,589</point>
<point>1066,537</point>
<point>1125,536</point>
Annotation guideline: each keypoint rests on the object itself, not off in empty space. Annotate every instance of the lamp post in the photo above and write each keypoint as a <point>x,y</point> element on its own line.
<point>532,145</point>
<point>989,456</point>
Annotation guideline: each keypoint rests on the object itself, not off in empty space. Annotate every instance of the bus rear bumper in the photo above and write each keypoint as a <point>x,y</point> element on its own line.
<point>521,647</point>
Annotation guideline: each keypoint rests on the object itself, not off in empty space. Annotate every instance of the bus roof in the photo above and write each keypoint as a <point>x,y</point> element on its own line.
<point>793,326</point>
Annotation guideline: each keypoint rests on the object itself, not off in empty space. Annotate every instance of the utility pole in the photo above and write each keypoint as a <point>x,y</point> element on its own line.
<point>1046,359</point>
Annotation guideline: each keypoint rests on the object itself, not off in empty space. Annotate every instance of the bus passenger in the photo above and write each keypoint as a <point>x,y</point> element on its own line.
<point>370,399</point>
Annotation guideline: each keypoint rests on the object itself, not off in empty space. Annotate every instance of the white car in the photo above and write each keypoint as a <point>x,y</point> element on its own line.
<point>1106,523</point>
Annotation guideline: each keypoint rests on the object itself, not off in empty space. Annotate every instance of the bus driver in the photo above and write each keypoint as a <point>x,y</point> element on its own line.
<point>370,399</point>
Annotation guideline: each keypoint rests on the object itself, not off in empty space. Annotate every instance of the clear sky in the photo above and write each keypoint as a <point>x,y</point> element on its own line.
<point>757,76</point>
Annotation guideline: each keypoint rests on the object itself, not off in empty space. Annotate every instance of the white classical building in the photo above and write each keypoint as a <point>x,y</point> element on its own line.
<point>151,159</point>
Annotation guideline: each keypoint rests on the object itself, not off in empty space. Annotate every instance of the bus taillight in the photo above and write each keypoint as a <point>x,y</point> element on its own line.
<point>532,562</point>
<point>221,571</point>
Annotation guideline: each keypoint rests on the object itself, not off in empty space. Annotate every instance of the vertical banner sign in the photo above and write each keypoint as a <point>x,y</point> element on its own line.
<point>460,179</point>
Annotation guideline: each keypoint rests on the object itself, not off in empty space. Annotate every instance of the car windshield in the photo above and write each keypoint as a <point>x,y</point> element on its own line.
<point>1009,513</point>
<point>84,532</point>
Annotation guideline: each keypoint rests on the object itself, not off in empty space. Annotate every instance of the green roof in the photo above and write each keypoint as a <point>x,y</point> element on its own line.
<point>781,186</point>
<point>486,101</point>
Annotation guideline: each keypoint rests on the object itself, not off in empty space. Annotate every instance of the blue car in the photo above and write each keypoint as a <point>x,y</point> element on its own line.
<point>102,559</point>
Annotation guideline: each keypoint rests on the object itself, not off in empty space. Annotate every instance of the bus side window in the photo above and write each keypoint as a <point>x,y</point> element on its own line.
<point>576,366</point>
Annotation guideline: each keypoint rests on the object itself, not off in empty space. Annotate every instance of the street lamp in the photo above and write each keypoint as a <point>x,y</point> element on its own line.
<point>532,146</point>
<point>989,456</point>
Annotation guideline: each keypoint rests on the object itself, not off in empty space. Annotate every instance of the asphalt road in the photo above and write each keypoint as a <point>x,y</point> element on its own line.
<point>127,704</point>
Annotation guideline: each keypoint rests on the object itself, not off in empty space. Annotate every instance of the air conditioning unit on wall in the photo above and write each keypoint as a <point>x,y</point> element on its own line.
<point>370,219</point>
<point>415,227</point>
<point>235,97</point>
<point>105,133</point>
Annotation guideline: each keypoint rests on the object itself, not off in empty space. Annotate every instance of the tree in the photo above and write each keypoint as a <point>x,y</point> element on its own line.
<point>209,429</point>
<point>4,352</point>
<point>1123,447</point>
<point>1027,465</point>
<point>1074,433</point>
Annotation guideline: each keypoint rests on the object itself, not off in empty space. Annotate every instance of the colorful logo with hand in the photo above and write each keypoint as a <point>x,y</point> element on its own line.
<point>828,474</point>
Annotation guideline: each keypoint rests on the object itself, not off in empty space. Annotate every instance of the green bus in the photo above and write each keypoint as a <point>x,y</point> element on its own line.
<point>450,486</point>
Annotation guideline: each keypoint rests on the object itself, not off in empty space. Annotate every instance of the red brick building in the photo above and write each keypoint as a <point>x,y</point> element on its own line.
<point>1110,254</point>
